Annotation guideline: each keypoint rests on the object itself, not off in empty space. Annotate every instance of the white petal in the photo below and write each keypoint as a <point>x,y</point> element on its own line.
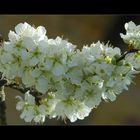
<point>23,114</point>
<point>42,109</point>
<point>131,25</point>
<point>36,72</point>
<point>29,98</point>
<point>19,97</point>
<point>43,44</point>
<point>8,46</point>
<point>41,31</point>
<point>42,84</point>
<point>84,112</point>
<point>6,58</point>
<point>72,118</point>
<point>21,27</point>
<point>20,105</point>
<point>33,61</point>
<point>39,118</point>
<point>13,37</point>
<point>48,64</point>
<point>25,55</point>
<point>28,79</point>
<point>58,69</point>
<point>28,43</point>
<point>29,114</point>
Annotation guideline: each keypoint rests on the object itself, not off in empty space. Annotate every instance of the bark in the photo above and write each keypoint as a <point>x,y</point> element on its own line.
<point>3,120</point>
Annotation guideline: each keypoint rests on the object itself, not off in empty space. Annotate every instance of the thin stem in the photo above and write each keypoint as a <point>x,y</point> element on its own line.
<point>129,51</point>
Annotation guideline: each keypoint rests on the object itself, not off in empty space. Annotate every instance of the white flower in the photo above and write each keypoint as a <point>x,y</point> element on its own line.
<point>132,36</point>
<point>24,29</point>
<point>130,26</point>
<point>26,105</point>
<point>28,98</point>
<point>112,51</point>
<point>134,60</point>
<point>96,49</point>
<point>71,109</point>
<point>21,28</point>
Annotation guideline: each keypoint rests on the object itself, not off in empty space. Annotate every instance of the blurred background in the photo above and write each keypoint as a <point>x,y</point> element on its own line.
<point>82,30</point>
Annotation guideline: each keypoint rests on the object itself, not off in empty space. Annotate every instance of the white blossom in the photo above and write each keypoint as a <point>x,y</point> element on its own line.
<point>132,36</point>
<point>70,81</point>
<point>71,109</point>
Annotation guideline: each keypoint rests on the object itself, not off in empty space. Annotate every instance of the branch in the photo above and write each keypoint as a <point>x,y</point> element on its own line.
<point>23,90</point>
<point>17,87</point>
<point>130,51</point>
<point>3,120</point>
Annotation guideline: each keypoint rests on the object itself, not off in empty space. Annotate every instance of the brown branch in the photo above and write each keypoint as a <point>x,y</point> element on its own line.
<point>23,90</point>
<point>3,120</point>
<point>17,87</point>
<point>129,51</point>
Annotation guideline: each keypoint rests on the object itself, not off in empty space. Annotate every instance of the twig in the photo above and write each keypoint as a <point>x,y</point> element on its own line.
<point>130,51</point>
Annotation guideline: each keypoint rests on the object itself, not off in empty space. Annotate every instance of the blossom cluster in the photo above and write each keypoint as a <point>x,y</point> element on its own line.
<point>132,36</point>
<point>71,81</point>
